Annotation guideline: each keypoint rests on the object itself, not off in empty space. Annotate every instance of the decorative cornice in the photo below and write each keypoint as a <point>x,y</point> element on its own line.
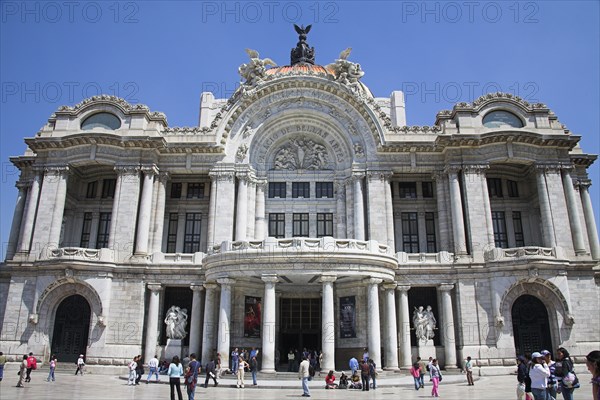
<point>118,102</point>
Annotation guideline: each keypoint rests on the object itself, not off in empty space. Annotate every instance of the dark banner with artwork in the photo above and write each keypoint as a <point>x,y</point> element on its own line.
<point>252,317</point>
<point>348,317</point>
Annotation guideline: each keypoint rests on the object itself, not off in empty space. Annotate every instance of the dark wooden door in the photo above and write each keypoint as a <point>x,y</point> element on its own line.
<point>530,325</point>
<point>71,328</point>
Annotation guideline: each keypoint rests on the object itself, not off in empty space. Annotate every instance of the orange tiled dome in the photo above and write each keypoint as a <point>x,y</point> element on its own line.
<point>299,68</point>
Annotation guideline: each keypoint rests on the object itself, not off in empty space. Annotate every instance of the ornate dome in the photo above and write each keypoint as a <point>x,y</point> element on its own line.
<point>301,69</point>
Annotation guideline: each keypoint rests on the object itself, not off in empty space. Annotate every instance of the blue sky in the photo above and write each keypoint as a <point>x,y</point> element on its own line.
<point>164,54</point>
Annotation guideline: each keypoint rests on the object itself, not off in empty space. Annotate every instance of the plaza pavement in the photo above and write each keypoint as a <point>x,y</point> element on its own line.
<point>281,387</point>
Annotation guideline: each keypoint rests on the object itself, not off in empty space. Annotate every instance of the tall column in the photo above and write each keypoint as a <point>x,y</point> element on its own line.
<point>590,220</point>
<point>208,328</point>
<point>442,211</point>
<point>458,225</point>
<point>196,318</point>
<point>159,217</point>
<point>225,319</point>
<point>251,215</point>
<point>574,222</point>
<point>549,238</point>
<point>374,334</point>
<point>222,223</point>
<point>404,327</point>
<point>268,324</point>
<point>389,213</point>
<point>125,207</point>
<point>29,214</point>
<point>478,209</point>
<point>145,210</point>
<point>377,202</point>
<point>212,206</point>
<point>328,323</point>
<point>152,319</point>
<point>242,208</point>
<point>17,218</point>
<point>448,326</point>
<point>259,215</point>
<point>391,335</point>
<point>359,208</point>
<point>340,209</point>
<point>60,174</point>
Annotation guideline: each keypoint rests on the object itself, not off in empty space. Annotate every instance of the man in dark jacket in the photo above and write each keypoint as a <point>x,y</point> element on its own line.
<point>210,373</point>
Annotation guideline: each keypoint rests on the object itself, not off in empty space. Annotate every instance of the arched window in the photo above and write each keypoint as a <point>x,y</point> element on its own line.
<point>502,119</point>
<point>101,120</point>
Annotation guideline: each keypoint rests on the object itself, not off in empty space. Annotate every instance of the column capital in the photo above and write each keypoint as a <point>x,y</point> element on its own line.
<point>269,278</point>
<point>56,169</point>
<point>357,176</point>
<point>211,286</point>
<point>553,168</point>
<point>452,169</point>
<point>23,184</point>
<point>127,169</point>
<point>225,281</point>
<point>478,169</point>
<point>154,287</point>
<point>164,176</point>
<point>380,175</point>
<point>445,287</point>
<point>149,169</point>
<point>389,285</point>
<point>403,288</point>
<point>327,278</point>
<point>197,287</point>
<point>372,281</point>
<point>221,174</point>
<point>584,183</point>
<point>439,175</point>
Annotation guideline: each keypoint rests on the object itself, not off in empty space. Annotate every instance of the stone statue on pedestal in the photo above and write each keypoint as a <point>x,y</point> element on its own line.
<point>424,323</point>
<point>176,321</point>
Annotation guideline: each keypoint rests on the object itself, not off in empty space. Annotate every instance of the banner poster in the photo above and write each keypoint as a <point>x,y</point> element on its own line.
<point>348,317</point>
<point>252,316</point>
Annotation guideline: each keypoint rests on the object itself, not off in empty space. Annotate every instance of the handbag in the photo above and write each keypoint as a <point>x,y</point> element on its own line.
<point>440,378</point>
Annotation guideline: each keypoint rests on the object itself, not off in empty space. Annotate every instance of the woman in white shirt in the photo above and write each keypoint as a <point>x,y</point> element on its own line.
<point>175,372</point>
<point>539,374</point>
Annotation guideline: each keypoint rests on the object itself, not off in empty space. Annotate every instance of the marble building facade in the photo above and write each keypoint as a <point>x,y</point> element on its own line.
<point>305,193</point>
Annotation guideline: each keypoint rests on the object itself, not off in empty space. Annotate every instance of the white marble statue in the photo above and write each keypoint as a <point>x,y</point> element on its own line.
<point>255,70</point>
<point>424,323</point>
<point>176,321</point>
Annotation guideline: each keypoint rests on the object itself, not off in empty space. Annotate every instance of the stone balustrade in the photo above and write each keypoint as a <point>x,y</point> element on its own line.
<point>528,252</point>
<point>442,257</point>
<point>80,253</point>
<point>325,244</point>
<point>177,258</point>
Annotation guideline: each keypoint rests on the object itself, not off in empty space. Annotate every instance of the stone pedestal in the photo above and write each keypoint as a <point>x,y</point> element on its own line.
<point>426,349</point>
<point>173,348</point>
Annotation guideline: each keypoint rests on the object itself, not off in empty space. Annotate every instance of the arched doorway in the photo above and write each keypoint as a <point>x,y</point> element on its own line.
<point>531,327</point>
<point>71,328</point>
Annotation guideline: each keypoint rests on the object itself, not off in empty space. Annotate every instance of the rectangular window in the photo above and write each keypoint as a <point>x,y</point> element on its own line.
<point>277,190</point>
<point>108,188</point>
<point>172,233</point>
<point>408,190</point>
<point>430,232</point>
<point>277,225</point>
<point>103,230</point>
<point>301,189</point>
<point>85,230</point>
<point>410,232</point>
<point>427,188</point>
<point>324,224</point>
<point>195,190</point>
<point>324,189</point>
<point>499,223</point>
<point>518,228</point>
<point>191,240</point>
<point>495,187</point>
<point>176,190</point>
<point>92,188</point>
<point>300,225</point>
<point>513,188</point>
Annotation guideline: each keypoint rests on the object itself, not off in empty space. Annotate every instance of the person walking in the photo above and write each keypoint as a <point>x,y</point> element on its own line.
<point>139,370</point>
<point>22,369</point>
<point>210,373</point>
<point>414,372</point>
<point>153,367</point>
<point>235,358</point>
<point>435,375</point>
<point>365,375</point>
<point>552,382</point>
<point>592,362</point>
<point>522,377</point>
<point>422,371</point>
<point>132,366</point>
<point>80,364</point>
<point>353,364</point>
<point>469,371</point>
<point>191,376</point>
<point>175,372</point>
<point>254,370</point>
<point>2,363</point>
<point>373,372</point>
<point>562,367</point>
<point>52,364</point>
<point>304,374</point>
<point>242,365</point>
<point>31,365</point>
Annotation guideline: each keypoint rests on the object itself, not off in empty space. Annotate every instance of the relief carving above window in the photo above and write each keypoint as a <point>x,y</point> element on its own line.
<point>302,153</point>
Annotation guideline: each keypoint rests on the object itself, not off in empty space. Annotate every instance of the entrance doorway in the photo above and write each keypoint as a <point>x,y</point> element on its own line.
<point>531,328</point>
<point>71,328</point>
<point>300,326</point>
